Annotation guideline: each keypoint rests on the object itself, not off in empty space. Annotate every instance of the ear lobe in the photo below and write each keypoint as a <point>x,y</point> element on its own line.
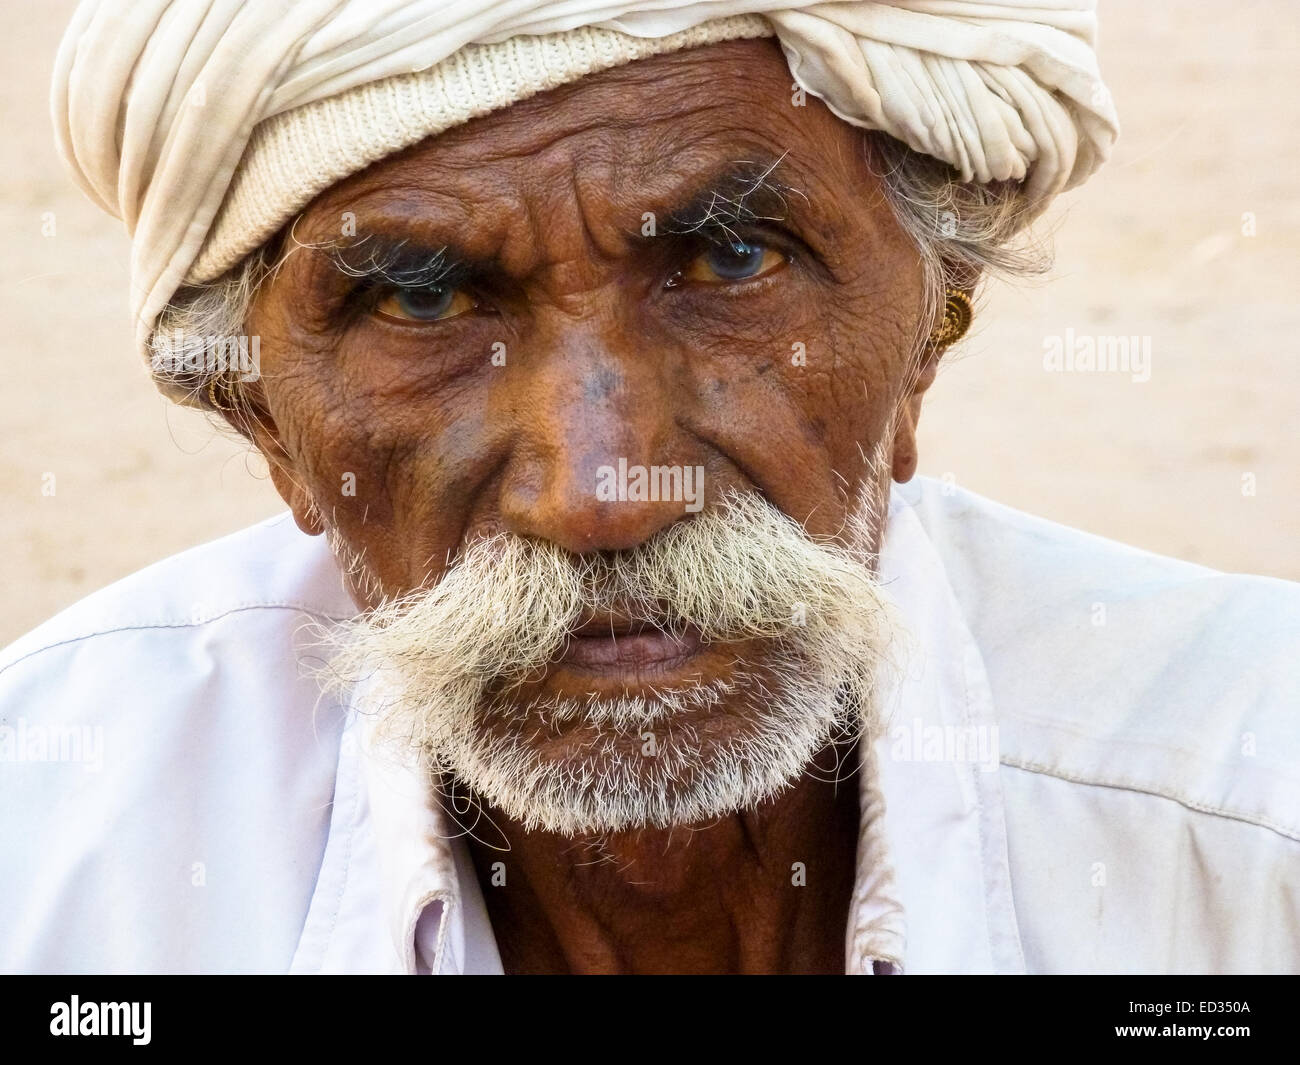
<point>305,515</point>
<point>905,454</point>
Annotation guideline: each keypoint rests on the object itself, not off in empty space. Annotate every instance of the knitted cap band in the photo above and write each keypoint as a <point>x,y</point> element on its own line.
<point>302,152</point>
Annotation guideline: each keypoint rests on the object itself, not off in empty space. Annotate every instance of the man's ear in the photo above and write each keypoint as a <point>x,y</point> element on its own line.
<point>905,454</point>
<point>905,457</point>
<point>253,421</point>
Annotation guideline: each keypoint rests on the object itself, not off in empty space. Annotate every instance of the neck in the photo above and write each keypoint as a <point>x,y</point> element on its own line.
<point>762,891</point>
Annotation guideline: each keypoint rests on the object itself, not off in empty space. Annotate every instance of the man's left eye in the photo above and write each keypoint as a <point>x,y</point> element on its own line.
<point>430,303</point>
<point>737,261</point>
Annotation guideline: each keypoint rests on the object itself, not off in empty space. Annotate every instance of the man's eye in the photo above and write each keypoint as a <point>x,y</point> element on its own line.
<point>430,303</point>
<point>738,261</point>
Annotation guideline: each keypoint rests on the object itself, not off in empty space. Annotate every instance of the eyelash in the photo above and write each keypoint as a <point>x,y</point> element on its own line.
<point>373,280</point>
<point>365,296</point>
<point>787,245</point>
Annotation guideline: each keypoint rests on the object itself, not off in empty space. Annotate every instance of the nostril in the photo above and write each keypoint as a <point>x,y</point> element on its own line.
<point>608,529</point>
<point>566,508</point>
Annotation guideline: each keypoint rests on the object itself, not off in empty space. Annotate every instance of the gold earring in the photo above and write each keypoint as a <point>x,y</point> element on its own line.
<point>216,403</point>
<point>958,312</point>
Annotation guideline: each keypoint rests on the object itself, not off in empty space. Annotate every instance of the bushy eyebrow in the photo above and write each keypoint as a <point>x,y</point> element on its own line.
<point>744,193</point>
<point>401,262</point>
<point>739,195</point>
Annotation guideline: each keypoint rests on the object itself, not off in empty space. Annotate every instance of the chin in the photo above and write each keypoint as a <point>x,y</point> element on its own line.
<point>586,761</point>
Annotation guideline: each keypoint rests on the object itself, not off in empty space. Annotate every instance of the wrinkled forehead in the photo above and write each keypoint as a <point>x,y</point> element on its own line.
<point>655,140</point>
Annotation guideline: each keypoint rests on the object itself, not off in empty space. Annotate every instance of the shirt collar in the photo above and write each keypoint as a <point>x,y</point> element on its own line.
<point>943,809</point>
<point>932,831</point>
<point>419,883</point>
<point>436,916</point>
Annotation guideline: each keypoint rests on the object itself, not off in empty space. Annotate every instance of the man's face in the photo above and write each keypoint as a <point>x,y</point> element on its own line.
<point>492,334</point>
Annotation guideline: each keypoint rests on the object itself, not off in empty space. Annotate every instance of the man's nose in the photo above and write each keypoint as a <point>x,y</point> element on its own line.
<point>587,421</point>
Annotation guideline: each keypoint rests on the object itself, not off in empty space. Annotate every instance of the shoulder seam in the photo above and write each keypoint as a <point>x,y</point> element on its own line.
<point>1204,808</point>
<point>298,607</point>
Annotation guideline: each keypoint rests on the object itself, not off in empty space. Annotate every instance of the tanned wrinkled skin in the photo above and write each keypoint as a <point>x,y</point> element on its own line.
<point>606,358</point>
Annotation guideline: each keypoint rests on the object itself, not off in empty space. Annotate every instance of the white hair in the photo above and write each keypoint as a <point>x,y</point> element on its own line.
<point>452,671</point>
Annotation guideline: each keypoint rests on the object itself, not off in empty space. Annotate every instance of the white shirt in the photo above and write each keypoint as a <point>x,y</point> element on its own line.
<point>1093,765</point>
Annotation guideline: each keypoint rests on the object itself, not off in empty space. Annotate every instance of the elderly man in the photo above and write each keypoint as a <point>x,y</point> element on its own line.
<point>586,344</point>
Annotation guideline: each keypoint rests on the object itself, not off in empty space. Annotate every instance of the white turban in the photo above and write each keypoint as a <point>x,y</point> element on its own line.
<point>205,125</point>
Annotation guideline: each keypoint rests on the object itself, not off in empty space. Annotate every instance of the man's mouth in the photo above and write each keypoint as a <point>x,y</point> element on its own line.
<point>613,646</point>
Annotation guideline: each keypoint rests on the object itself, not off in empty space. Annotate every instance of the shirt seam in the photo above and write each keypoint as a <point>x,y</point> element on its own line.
<point>301,608</point>
<point>346,819</point>
<point>1029,766</point>
<point>970,770</point>
<point>442,946</point>
<point>989,881</point>
<point>347,857</point>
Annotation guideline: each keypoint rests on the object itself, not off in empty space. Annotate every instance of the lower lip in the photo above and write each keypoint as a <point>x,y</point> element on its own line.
<point>652,650</point>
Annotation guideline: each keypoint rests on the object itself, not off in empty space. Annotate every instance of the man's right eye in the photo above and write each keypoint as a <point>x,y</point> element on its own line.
<point>733,262</point>
<point>428,303</point>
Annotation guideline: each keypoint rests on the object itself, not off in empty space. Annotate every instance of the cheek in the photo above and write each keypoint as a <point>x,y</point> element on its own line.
<point>865,379</point>
<point>796,391</point>
<point>389,452</point>
<point>872,347</point>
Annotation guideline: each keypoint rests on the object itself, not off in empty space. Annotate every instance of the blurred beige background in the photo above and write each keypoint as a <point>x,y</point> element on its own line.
<point>1191,236</point>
